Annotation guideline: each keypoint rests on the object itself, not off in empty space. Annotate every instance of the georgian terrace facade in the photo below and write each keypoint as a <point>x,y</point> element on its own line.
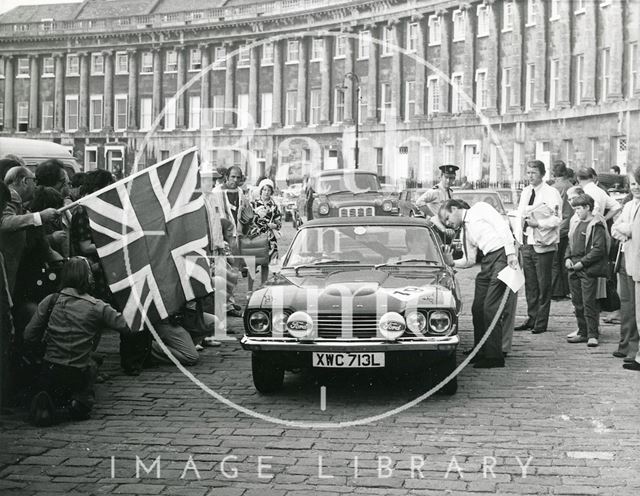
<point>274,86</point>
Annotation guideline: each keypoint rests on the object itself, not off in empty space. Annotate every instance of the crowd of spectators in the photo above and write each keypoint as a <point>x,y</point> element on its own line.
<point>55,301</point>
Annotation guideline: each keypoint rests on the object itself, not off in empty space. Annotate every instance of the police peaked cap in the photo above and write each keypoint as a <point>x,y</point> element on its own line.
<point>449,169</point>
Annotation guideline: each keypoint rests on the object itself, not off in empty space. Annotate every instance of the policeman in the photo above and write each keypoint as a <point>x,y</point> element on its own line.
<point>440,193</point>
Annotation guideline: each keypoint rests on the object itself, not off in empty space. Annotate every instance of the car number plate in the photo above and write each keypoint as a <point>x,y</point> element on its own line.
<point>348,360</point>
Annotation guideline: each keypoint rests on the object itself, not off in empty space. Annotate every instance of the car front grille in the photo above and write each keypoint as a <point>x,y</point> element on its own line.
<point>356,212</point>
<point>335,326</point>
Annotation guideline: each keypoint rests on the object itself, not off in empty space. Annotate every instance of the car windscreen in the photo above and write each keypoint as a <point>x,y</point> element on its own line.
<point>354,183</point>
<point>472,197</point>
<point>363,245</point>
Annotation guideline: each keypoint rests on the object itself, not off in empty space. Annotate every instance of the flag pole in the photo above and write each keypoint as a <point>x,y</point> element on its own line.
<point>123,180</point>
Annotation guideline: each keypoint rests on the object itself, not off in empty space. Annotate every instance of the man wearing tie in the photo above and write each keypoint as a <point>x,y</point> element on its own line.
<point>483,228</point>
<point>540,209</point>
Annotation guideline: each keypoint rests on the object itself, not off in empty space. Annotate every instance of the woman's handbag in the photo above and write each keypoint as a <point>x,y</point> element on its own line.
<point>255,246</point>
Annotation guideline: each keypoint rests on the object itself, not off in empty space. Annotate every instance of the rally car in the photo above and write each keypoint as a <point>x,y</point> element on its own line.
<point>346,193</point>
<point>355,292</point>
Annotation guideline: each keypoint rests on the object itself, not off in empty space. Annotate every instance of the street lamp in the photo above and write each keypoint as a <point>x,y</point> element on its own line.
<point>354,78</point>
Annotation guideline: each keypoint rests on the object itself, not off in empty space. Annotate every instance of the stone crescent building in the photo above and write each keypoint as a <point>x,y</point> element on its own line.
<point>286,86</point>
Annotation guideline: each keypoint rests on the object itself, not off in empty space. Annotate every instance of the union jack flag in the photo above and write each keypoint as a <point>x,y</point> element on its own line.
<point>151,233</point>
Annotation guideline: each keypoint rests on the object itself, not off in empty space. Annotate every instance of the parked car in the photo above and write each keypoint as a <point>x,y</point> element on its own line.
<point>34,151</point>
<point>355,292</point>
<point>345,193</point>
<point>407,203</point>
<point>616,185</point>
<point>493,198</point>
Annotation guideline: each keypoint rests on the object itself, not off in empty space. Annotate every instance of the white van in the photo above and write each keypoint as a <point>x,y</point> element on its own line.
<point>34,151</point>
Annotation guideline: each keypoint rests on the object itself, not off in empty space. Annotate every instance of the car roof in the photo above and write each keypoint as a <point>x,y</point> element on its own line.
<point>482,191</point>
<point>388,220</point>
<point>339,172</point>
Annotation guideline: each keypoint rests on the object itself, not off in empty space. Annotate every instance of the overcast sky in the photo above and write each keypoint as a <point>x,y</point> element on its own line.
<point>10,4</point>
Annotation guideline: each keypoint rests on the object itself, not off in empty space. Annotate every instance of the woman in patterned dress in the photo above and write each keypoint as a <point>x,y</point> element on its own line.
<point>266,219</point>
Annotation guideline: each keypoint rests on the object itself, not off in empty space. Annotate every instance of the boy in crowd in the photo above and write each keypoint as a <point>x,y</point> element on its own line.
<point>586,259</point>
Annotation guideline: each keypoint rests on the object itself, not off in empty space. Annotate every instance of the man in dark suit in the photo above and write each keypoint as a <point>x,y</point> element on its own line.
<point>15,220</point>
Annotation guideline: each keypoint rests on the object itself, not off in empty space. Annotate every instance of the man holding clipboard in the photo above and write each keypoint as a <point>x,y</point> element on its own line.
<point>540,213</point>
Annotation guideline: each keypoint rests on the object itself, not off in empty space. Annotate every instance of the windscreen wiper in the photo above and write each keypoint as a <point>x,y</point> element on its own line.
<point>409,260</point>
<point>325,262</point>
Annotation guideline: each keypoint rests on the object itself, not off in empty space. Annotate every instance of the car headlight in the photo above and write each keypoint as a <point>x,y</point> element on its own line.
<point>392,326</point>
<point>387,206</point>
<point>439,322</point>
<point>323,209</point>
<point>300,325</point>
<point>416,322</point>
<point>259,322</point>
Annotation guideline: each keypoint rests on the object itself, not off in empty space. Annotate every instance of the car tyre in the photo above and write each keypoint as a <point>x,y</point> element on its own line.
<point>442,371</point>
<point>268,376</point>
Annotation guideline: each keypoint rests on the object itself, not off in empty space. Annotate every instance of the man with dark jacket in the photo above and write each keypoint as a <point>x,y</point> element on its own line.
<point>559,277</point>
<point>586,260</point>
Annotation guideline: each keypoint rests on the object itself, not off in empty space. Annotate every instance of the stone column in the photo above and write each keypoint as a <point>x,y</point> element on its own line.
<point>205,77</point>
<point>540,49</point>
<point>229,87</point>
<point>9,119</point>
<point>470,41</point>
<point>617,25</point>
<point>83,104</point>
<point>348,81</point>
<point>445,59</point>
<point>372,79</point>
<point>303,62</point>
<point>58,124</point>
<point>254,71</point>
<point>519,54</point>
<point>108,91</point>
<point>325,82</point>
<point>493,57</point>
<point>157,82</point>
<point>34,86</point>
<point>132,100</point>
<point>589,68</point>
<point>181,79</point>
<point>397,82</point>
<point>421,68</point>
<point>277,84</point>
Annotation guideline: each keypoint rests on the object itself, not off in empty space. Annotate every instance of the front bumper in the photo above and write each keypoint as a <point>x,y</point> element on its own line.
<point>443,344</point>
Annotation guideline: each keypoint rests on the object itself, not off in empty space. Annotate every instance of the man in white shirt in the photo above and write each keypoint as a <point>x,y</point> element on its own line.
<point>483,228</point>
<point>604,204</point>
<point>540,211</point>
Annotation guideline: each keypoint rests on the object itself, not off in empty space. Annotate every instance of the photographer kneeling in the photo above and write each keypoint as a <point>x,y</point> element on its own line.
<point>67,324</point>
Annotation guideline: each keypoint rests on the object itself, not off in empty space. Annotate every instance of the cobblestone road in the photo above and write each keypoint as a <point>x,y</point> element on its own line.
<point>569,414</point>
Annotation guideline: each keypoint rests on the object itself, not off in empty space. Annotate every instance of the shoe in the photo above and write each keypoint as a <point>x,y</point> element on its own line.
<point>209,341</point>
<point>592,343</point>
<point>631,366</point>
<point>573,334</point>
<point>629,359</point>
<point>234,313</point>
<point>619,354</point>
<point>524,327</point>
<point>538,331</point>
<point>133,371</point>
<point>199,347</point>
<point>577,339</point>
<point>611,320</point>
<point>42,412</point>
<point>489,363</point>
